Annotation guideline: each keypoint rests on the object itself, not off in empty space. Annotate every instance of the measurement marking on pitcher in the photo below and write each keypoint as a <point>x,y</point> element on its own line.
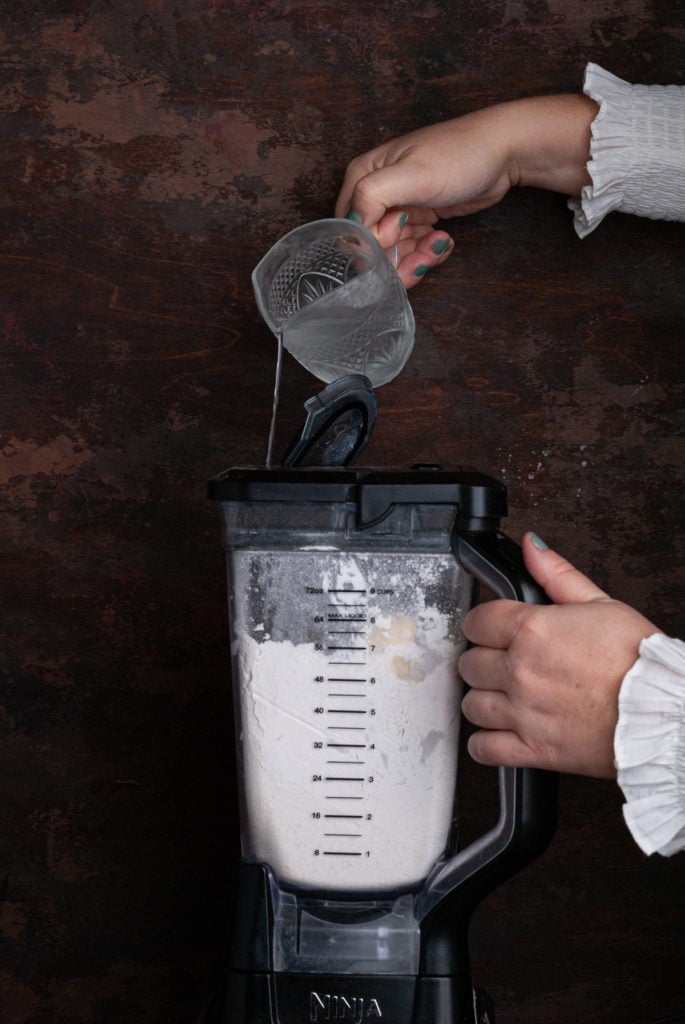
<point>346,623</point>
<point>343,623</point>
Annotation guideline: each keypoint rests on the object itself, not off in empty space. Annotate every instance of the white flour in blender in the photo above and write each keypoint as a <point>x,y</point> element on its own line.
<point>367,808</point>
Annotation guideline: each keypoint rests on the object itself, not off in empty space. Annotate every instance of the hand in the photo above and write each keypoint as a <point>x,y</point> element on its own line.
<point>401,189</point>
<point>545,678</point>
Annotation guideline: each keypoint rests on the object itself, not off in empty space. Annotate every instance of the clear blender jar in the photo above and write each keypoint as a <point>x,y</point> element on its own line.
<point>347,589</point>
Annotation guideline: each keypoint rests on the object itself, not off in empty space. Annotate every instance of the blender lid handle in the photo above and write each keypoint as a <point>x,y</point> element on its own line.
<point>527,797</point>
<point>339,423</point>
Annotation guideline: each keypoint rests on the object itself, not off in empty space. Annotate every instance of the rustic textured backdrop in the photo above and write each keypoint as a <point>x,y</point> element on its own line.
<point>151,152</point>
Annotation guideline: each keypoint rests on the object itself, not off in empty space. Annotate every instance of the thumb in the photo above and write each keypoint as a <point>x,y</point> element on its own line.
<point>370,197</point>
<point>563,583</point>
<point>360,200</point>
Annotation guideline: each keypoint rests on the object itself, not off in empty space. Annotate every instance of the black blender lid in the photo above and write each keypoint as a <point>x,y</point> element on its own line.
<point>375,491</point>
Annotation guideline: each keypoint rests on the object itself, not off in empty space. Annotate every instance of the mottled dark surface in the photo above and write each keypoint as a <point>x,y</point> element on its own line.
<point>151,152</point>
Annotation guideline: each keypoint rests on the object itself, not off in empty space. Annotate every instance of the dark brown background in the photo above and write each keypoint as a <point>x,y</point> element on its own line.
<point>151,152</point>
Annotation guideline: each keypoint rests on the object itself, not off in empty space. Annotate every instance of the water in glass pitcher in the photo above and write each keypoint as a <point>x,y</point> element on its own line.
<point>328,289</point>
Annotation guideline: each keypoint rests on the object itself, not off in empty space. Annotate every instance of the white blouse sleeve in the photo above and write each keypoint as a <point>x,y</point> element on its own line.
<point>649,746</point>
<point>637,151</point>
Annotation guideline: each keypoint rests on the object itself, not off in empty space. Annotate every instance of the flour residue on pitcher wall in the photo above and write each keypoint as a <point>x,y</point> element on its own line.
<point>348,699</point>
<point>417,660</point>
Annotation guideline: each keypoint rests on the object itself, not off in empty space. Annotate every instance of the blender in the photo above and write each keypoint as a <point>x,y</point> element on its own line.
<point>347,589</point>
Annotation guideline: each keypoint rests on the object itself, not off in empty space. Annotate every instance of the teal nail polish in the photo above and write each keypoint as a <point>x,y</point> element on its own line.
<point>421,269</point>
<point>404,217</point>
<point>353,215</point>
<point>440,246</point>
<point>538,542</point>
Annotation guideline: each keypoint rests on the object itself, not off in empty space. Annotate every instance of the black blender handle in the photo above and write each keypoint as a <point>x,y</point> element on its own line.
<point>528,797</point>
<point>497,561</point>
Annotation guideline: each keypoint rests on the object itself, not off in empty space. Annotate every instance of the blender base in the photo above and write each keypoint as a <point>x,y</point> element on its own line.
<point>252,992</point>
<point>294,999</point>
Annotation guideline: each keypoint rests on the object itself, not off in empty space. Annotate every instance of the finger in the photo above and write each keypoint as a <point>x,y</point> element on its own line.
<point>563,583</point>
<point>495,623</point>
<point>413,268</point>
<point>389,228</point>
<point>422,258</point>
<point>488,709</point>
<point>435,246</point>
<point>399,235</point>
<point>411,271</point>
<point>485,668</point>
<point>409,223</point>
<point>501,748</point>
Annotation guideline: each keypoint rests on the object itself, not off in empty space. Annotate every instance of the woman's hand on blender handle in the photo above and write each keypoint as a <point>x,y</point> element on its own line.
<point>545,679</point>
<point>402,188</point>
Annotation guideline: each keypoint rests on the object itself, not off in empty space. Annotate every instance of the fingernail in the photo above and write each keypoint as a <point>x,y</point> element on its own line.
<point>421,269</point>
<point>538,542</point>
<point>440,246</point>
<point>404,217</point>
<point>353,215</point>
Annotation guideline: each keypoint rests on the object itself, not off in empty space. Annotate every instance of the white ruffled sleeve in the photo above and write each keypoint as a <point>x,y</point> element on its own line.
<point>649,746</point>
<point>637,151</point>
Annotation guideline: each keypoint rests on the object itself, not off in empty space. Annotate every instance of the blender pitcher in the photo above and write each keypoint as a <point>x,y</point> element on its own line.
<point>347,589</point>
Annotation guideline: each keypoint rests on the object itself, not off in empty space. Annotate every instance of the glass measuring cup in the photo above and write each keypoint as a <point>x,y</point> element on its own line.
<point>329,292</point>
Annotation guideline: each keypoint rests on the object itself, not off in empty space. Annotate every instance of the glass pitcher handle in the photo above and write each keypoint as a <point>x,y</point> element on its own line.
<point>527,797</point>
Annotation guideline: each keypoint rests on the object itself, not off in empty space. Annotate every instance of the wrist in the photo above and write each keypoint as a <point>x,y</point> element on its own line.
<point>550,142</point>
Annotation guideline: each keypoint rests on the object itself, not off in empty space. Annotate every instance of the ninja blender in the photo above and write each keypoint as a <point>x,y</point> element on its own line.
<point>347,588</point>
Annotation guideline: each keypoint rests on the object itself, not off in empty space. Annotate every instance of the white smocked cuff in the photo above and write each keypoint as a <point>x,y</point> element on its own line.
<point>649,746</point>
<point>637,151</point>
